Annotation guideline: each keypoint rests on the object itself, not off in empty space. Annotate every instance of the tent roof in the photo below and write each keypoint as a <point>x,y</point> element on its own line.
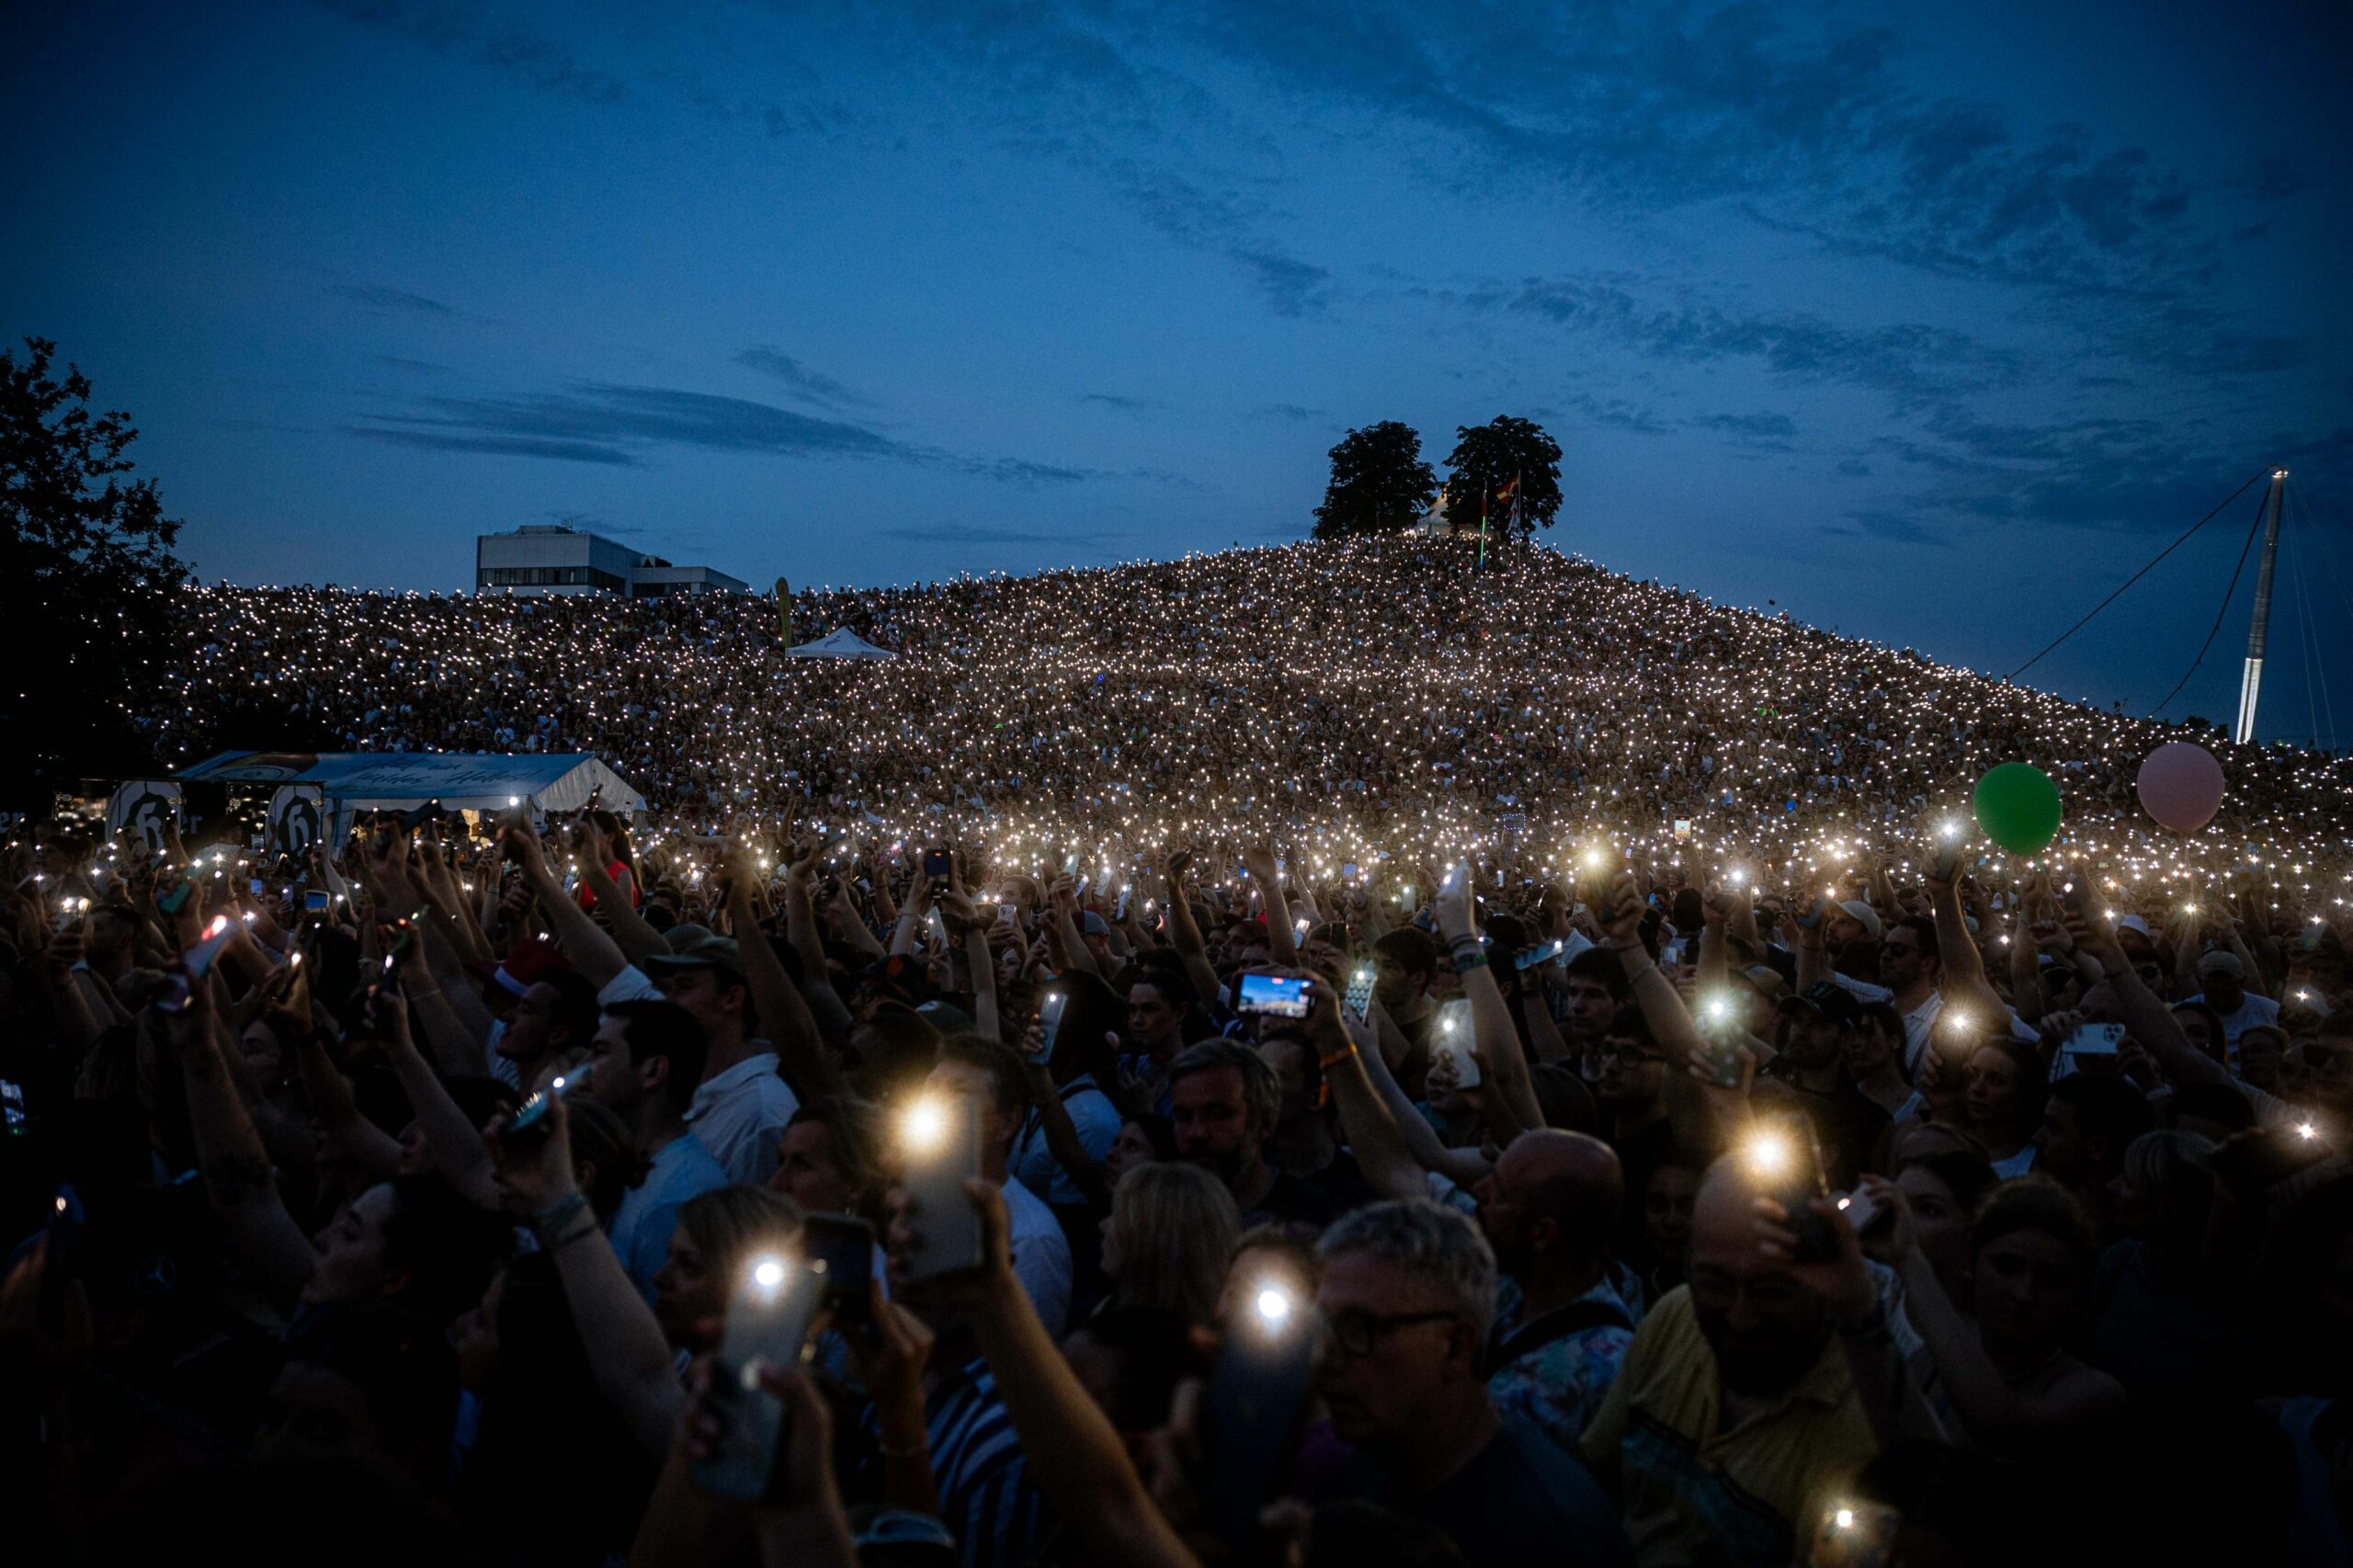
<point>379,780</point>
<point>841,643</point>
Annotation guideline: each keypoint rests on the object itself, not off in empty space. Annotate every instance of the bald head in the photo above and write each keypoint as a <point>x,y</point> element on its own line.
<point>1765,1325</point>
<point>1571,1178</point>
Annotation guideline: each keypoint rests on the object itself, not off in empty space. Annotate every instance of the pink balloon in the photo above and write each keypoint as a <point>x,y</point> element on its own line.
<point>2181,785</point>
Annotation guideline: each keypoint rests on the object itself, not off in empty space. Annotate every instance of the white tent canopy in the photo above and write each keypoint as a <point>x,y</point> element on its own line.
<point>841,643</point>
<point>402,780</point>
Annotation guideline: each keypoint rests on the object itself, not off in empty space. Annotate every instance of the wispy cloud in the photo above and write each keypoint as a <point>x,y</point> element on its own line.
<point>800,381</point>
<point>617,424</point>
<point>376,296</point>
<point>464,33</point>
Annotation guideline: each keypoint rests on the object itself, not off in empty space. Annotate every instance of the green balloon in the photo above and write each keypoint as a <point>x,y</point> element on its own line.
<point>2017,805</point>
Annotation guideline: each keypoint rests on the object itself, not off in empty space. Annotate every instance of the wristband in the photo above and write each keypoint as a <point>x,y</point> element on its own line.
<point>1332,1059</point>
<point>562,1209</point>
<point>1469,961</point>
<point>583,1233</point>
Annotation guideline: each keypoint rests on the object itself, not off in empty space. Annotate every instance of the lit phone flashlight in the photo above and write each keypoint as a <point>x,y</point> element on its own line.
<point>1252,1407</point>
<point>769,1315</point>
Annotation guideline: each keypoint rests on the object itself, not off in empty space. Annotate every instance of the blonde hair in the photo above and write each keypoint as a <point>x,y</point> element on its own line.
<point>1173,1226</point>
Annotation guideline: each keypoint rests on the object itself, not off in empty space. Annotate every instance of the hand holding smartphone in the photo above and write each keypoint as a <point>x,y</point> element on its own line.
<point>769,1315</point>
<point>1279,995</point>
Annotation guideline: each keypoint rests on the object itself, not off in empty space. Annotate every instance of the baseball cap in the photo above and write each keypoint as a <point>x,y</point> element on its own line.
<point>1093,924</point>
<point>900,975</point>
<point>947,1019</point>
<point>712,952</point>
<point>2132,923</point>
<point>1865,916</point>
<point>1829,999</point>
<point>2221,962</point>
<point>1767,981</point>
<point>524,965</point>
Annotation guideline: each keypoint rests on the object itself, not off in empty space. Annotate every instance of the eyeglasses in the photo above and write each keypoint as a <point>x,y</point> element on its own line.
<point>1897,949</point>
<point>1355,1334</point>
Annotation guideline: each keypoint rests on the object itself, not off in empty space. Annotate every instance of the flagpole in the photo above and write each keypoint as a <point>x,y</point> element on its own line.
<point>1483,527</point>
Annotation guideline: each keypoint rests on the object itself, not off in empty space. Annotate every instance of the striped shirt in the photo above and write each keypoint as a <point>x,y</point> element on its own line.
<point>985,1497</point>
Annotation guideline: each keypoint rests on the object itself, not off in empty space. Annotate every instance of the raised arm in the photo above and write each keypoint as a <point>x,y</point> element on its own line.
<point>1962,975</point>
<point>1281,940</point>
<point>368,1147</point>
<point>782,1010</point>
<point>1491,1022</point>
<point>452,1145</point>
<point>636,940</point>
<point>1075,1456</point>
<point>2150,1019</point>
<point>631,1365</point>
<point>1184,934</point>
<point>596,956</point>
<point>238,1173</point>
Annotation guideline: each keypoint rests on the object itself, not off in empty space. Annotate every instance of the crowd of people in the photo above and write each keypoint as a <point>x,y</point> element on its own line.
<point>1344,1178</point>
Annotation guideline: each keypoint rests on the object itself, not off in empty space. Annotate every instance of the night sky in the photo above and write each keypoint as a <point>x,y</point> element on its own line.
<point>1929,323</point>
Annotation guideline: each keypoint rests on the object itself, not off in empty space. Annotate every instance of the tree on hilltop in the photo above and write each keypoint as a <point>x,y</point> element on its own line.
<point>1512,467</point>
<point>1380,484</point>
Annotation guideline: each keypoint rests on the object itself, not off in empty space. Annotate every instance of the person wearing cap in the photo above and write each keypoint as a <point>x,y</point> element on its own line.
<point>2223,984</point>
<point>743,1104</point>
<point>1808,1059</point>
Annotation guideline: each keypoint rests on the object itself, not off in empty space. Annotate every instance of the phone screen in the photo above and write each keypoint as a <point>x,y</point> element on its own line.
<point>1453,1041</point>
<point>1283,995</point>
<point>840,1248</point>
<point>12,1110</point>
<point>939,1146</point>
<point>770,1315</point>
<point>1050,1020</point>
<point>1544,954</point>
<point>935,865</point>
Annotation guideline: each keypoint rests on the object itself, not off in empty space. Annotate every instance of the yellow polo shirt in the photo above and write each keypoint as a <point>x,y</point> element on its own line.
<point>1692,1495</point>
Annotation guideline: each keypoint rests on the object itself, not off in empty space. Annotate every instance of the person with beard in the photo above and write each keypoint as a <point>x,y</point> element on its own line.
<point>1808,1059</point>
<point>1737,1419</point>
<point>1564,1323</point>
<point>1226,1099</point>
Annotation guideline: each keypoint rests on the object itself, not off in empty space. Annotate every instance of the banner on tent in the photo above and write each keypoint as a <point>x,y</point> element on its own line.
<point>145,806</point>
<point>297,818</point>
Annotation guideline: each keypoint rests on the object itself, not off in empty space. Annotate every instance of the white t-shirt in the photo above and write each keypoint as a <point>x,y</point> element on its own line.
<point>2251,1010</point>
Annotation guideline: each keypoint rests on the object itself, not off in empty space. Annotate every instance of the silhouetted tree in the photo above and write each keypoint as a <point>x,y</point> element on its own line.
<point>1490,459</point>
<point>87,570</point>
<point>1380,484</point>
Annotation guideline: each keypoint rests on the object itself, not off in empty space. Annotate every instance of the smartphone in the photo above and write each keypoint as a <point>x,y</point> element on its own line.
<point>1856,1535</point>
<point>840,1250</point>
<point>2276,1154</point>
<point>195,963</point>
<point>254,886</point>
<point>1070,864</point>
<point>1860,1212</point>
<point>64,1232</point>
<point>937,866</point>
<point>939,1145</point>
<point>1358,999</point>
<point>177,900</point>
<point>770,1315</point>
<point>1810,916</point>
<point>1252,1408</point>
<point>1280,995</point>
<point>13,1121</point>
<point>2096,1040</point>
<point>1784,1153</point>
<point>530,1121</point>
<point>1452,880</point>
<point>1050,1020</point>
<point>316,901</point>
<point>1546,953</point>
<point>1453,1041</point>
<point>407,939</point>
<point>1119,911</point>
<point>1719,1043</point>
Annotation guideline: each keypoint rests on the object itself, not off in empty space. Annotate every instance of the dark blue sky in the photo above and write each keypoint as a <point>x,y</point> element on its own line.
<point>1930,323</point>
